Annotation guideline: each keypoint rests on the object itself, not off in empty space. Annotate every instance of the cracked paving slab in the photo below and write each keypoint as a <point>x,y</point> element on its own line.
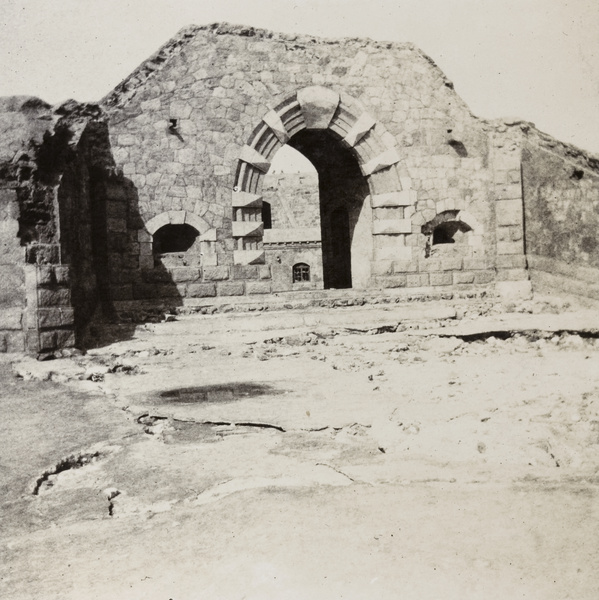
<point>348,462</point>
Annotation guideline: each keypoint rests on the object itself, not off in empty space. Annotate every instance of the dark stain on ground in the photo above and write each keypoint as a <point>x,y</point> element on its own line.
<point>221,393</point>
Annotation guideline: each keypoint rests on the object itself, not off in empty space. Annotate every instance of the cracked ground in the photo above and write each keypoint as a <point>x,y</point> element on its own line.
<point>367,452</point>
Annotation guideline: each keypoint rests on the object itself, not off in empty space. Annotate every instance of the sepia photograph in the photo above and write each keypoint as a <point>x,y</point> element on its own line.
<point>299,299</point>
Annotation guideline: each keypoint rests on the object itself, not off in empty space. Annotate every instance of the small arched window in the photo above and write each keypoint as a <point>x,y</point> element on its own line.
<point>449,232</point>
<point>446,228</point>
<point>301,272</point>
<point>174,238</point>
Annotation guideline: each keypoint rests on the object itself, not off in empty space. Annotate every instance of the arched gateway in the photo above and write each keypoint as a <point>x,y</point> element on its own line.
<point>357,175</point>
<point>161,197</point>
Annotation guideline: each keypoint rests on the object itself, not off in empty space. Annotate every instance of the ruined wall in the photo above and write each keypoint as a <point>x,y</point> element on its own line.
<point>561,191</point>
<point>52,160</point>
<point>186,130</point>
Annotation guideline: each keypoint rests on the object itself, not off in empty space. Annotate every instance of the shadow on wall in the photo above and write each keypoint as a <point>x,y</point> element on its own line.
<point>104,242</point>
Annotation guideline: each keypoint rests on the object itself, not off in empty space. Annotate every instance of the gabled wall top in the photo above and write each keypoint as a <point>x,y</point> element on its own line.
<point>127,89</point>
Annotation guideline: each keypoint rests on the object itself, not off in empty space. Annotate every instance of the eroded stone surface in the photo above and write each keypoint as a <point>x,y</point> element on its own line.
<point>193,130</point>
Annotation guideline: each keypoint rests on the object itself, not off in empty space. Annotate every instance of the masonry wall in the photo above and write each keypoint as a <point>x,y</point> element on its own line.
<point>218,83</point>
<point>561,192</point>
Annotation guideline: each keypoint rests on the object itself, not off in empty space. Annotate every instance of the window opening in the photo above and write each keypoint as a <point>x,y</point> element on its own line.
<point>301,272</point>
<point>174,238</point>
<point>266,215</point>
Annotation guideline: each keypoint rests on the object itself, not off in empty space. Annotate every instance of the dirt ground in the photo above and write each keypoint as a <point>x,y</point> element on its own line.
<point>415,452</point>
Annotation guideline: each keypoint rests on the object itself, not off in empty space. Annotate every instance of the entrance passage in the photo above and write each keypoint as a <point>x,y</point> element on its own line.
<point>342,190</point>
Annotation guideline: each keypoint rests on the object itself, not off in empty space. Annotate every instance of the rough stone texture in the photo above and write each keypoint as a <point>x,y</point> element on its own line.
<point>562,218</point>
<point>217,82</point>
<point>412,190</point>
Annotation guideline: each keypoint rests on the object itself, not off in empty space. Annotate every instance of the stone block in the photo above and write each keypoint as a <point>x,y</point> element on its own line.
<point>11,251</point>
<point>510,248</point>
<point>144,236</point>
<point>47,341</point>
<point>244,272</point>
<point>145,249</point>
<point>511,261</point>
<point>475,264</point>
<point>359,129</point>
<point>32,342</point>
<point>155,276</point>
<point>201,290</point>
<point>484,277</point>
<point>392,281</point>
<point>264,272</point>
<point>429,264</point>
<point>185,274</point>
<point>509,212</point>
<point>45,275</point>
<point>514,290</point>
<point>65,338</point>
<point>394,199</point>
<point>231,288</point>
<point>216,273</point>
<point>11,318</point>
<point>463,277</point>
<point>12,286</point>
<point>248,257</point>
<point>441,278</point>
<point>405,266</point>
<point>49,318</point>
<point>166,291</point>
<point>318,105</point>
<point>247,229</point>
<point>516,233</point>
<point>146,261</point>
<point>258,287</point>
<point>43,254</point>
<point>116,225</point>
<point>62,274</point>
<point>56,297</point>
<point>67,316</point>
<point>511,274</point>
<point>14,341</point>
<point>382,161</point>
<point>417,280</point>
<point>391,226</point>
<point>451,263</point>
<point>382,267</point>
<point>508,191</point>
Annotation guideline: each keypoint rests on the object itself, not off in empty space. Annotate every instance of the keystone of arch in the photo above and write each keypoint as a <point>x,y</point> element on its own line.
<point>318,105</point>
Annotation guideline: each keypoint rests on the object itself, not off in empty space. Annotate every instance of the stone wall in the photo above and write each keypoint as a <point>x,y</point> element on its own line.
<point>412,190</point>
<point>561,190</point>
<point>194,130</point>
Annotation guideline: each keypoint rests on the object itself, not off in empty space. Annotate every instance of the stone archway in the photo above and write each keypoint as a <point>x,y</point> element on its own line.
<point>314,116</point>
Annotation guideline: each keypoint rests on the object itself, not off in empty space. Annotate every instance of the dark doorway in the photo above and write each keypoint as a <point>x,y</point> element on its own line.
<point>342,191</point>
<point>340,272</point>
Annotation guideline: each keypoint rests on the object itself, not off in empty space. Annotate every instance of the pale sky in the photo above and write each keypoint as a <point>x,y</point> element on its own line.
<point>534,59</point>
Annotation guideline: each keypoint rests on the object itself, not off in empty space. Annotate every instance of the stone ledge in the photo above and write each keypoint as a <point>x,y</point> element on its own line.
<point>201,290</point>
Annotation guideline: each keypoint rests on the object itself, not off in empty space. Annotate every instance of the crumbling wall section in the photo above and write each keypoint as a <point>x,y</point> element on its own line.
<point>48,290</point>
<point>561,199</point>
